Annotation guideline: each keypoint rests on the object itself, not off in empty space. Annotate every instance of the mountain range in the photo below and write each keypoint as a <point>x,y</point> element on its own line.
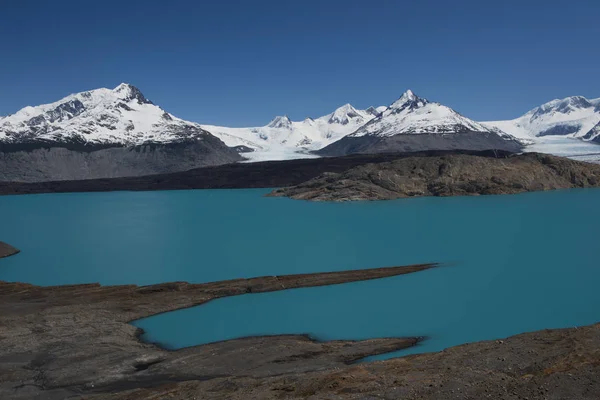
<point>119,132</point>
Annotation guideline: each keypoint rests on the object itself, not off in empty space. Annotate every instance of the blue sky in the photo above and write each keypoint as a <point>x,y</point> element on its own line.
<point>239,63</point>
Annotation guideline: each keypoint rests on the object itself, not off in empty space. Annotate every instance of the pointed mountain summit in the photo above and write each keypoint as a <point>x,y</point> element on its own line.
<point>412,123</point>
<point>408,100</point>
<point>280,122</point>
<point>411,114</point>
<point>130,92</point>
<point>346,113</point>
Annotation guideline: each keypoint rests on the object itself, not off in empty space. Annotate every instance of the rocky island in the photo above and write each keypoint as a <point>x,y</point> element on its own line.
<point>447,175</point>
<point>7,250</point>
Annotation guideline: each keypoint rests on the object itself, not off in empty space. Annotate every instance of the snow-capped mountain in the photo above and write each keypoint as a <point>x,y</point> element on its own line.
<point>103,133</point>
<point>103,116</point>
<point>92,134</point>
<point>569,117</point>
<point>413,123</point>
<point>282,135</point>
<point>411,114</point>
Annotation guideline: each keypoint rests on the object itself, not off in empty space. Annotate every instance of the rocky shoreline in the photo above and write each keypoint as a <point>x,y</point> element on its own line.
<point>447,175</point>
<point>73,341</point>
<point>7,250</point>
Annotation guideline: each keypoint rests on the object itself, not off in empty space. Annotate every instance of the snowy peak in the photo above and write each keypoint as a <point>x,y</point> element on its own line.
<point>572,116</point>
<point>408,101</point>
<point>563,106</point>
<point>122,116</point>
<point>281,122</point>
<point>411,114</point>
<point>345,114</point>
<point>128,92</point>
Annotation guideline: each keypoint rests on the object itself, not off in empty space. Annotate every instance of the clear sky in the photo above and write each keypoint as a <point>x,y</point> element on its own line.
<point>239,63</point>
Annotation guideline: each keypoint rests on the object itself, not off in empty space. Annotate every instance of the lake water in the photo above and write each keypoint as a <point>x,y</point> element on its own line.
<point>512,263</point>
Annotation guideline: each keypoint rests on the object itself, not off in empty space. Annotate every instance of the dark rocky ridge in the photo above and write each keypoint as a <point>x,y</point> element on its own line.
<point>75,160</point>
<point>474,141</point>
<point>75,340</point>
<point>448,175</point>
<point>7,250</point>
<point>267,174</point>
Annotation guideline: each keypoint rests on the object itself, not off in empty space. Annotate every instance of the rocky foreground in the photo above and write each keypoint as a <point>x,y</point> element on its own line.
<point>7,250</point>
<point>70,342</point>
<point>447,175</point>
<point>75,341</point>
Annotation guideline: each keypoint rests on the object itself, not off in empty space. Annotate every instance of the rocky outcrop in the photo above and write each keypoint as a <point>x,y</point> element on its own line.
<point>70,341</point>
<point>7,250</point>
<point>448,175</point>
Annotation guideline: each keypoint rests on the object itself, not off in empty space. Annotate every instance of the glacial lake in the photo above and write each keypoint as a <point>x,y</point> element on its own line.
<point>511,263</point>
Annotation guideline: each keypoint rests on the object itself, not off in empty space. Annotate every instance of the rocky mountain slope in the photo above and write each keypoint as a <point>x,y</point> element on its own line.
<point>448,175</point>
<point>594,133</point>
<point>103,133</point>
<point>413,123</point>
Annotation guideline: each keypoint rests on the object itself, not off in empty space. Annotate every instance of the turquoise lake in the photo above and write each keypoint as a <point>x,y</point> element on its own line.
<point>511,263</point>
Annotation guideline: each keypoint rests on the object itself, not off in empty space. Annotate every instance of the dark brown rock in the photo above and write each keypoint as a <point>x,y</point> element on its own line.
<point>7,250</point>
<point>448,175</point>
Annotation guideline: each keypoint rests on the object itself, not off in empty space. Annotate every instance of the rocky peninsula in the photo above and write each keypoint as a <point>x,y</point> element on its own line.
<point>75,341</point>
<point>447,175</point>
<point>7,250</point>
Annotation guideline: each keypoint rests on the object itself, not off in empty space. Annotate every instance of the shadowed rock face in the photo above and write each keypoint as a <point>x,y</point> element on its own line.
<point>7,250</point>
<point>64,341</point>
<point>39,162</point>
<point>450,175</point>
<point>475,141</point>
